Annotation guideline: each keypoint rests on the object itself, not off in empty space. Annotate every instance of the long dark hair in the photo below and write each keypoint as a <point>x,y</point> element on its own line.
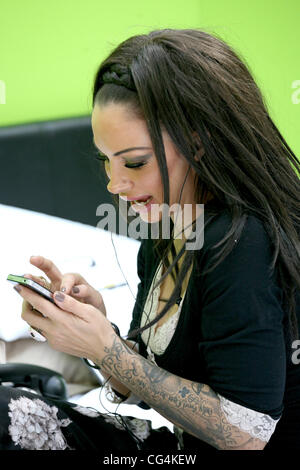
<point>191,83</point>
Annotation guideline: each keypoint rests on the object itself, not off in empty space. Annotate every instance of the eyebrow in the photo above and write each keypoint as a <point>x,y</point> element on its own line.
<point>130,150</point>
<point>120,152</point>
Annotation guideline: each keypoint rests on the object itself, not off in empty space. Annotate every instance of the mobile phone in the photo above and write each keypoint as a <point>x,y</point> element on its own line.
<point>25,281</point>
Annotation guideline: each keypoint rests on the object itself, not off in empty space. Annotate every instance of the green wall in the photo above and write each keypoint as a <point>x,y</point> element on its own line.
<point>50,50</point>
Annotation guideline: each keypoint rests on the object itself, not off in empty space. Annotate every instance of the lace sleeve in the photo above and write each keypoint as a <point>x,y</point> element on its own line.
<point>258,425</point>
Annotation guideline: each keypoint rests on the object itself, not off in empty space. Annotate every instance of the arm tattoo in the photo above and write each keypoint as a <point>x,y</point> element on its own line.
<point>192,406</point>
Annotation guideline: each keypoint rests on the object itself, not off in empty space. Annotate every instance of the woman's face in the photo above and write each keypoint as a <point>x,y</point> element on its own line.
<point>130,163</point>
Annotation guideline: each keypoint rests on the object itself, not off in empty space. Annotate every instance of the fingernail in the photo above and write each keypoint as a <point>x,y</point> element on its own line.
<point>63,289</point>
<point>75,290</point>
<point>59,297</point>
<point>17,288</point>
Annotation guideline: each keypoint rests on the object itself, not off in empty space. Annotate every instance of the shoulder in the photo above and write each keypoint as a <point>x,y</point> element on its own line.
<point>248,228</point>
<point>245,240</point>
<point>247,235</point>
<point>236,252</point>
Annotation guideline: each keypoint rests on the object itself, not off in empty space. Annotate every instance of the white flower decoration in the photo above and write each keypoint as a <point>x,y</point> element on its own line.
<point>35,426</point>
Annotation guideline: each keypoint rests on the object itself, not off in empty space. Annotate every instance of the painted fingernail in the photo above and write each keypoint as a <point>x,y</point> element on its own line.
<point>17,288</point>
<point>59,297</point>
<point>75,290</point>
<point>63,289</point>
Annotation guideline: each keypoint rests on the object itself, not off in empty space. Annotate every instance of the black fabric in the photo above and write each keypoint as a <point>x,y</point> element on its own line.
<point>49,167</point>
<point>81,431</point>
<point>231,330</point>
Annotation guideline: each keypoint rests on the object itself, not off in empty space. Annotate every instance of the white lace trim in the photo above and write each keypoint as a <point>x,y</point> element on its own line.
<point>258,425</point>
<point>35,426</point>
<point>157,338</point>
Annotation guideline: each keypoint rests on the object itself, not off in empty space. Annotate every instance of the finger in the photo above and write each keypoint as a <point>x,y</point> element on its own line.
<point>80,290</point>
<point>39,279</point>
<point>34,318</point>
<point>84,291</point>
<point>47,266</point>
<point>25,306</point>
<point>69,281</point>
<point>89,295</point>
<point>69,304</point>
<point>37,302</point>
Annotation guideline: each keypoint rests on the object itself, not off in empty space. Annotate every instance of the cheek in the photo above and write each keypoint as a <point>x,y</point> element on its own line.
<point>156,189</point>
<point>154,181</point>
<point>149,180</point>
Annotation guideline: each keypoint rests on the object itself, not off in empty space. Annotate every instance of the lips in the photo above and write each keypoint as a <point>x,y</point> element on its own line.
<point>142,202</point>
<point>137,199</point>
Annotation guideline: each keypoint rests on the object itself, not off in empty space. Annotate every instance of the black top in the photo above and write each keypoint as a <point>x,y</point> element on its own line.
<point>231,333</point>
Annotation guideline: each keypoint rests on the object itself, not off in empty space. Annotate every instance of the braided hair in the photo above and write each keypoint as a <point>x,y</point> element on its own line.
<point>118,74</point>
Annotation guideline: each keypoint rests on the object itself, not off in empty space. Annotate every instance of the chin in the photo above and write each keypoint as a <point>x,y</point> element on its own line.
<point>150,218</point>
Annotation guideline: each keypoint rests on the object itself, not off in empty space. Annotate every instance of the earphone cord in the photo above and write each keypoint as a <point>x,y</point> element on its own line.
<point>119,417</point>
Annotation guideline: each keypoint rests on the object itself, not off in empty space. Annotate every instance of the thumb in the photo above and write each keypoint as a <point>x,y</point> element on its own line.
<point>69,304</point>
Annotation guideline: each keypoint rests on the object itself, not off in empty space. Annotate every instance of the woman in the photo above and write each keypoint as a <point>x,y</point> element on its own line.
<point>178,119</point>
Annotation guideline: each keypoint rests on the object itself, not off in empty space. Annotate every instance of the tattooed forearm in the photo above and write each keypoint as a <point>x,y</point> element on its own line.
<point>192,406</point>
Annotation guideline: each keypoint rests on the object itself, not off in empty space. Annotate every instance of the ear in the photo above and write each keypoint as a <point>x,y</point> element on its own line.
<point>199,146</point>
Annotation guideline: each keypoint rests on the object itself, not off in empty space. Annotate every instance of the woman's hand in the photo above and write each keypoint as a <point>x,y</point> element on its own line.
<point>69,325</point>
<point>71,283</point>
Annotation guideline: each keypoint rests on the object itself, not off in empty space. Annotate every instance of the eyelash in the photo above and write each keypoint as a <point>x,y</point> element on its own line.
<point>133,166</point>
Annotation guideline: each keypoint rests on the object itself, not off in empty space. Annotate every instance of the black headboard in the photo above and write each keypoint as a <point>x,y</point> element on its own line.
<point>47,167</point>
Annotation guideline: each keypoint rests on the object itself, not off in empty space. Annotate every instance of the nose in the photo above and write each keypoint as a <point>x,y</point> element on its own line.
<point>119,185</point>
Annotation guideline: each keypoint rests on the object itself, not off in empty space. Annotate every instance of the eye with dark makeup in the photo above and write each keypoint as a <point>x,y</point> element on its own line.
<point>131,165</point>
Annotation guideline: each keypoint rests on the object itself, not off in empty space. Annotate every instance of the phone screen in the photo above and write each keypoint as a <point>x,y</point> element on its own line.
<point>24,281</point>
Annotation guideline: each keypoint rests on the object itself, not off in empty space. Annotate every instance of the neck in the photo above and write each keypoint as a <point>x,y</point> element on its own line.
<point>183,220</point>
